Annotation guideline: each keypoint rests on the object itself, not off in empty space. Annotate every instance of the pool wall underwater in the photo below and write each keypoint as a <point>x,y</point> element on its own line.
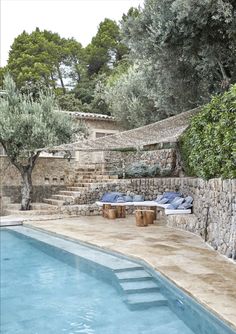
<point>102,265</point>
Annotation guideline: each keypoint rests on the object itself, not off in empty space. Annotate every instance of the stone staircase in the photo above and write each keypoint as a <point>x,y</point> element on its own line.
<point>139,288</point>
<point>86,179</point>
<point>37,209</point>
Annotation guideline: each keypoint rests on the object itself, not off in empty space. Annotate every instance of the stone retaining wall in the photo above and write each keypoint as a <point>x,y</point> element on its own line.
<point>4,201</point>
<point>214,205</point>
<point>50,175</point>
<point>165,158</point>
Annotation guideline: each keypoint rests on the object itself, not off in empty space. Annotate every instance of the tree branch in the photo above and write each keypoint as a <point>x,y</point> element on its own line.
<point>12,158</point>
<point>226,79</point>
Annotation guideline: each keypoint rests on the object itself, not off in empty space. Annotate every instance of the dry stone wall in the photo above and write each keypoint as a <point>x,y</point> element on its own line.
<point>214,206</point>
<point>165,158</point>
<point>50,175</point>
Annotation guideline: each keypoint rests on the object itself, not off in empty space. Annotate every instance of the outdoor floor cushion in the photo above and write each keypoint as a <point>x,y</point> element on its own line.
<point>177,212</point>
<point>111,197</point>
<point>99,203</point>
<point>168,197</point>
<point>149,203</point>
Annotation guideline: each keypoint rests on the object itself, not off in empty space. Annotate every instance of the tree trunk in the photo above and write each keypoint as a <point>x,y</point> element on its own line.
<point>26,173</point>
<point>61,80</point>
<point>26,189</point>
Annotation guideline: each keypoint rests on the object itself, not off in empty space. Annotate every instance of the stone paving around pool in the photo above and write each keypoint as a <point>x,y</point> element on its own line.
<point>179,255</point>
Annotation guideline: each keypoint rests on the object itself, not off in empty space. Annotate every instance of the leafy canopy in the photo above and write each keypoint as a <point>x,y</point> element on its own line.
<point>185,52</point>
<point>105,49</point>
<point>209,145</point>
<point>45,57</point>
<point>27,125</point>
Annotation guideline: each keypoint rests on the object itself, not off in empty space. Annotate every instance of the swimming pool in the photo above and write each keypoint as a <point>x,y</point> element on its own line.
<point>51,285</point>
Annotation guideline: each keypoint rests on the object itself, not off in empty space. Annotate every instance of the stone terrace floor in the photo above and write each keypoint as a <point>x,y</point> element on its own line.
<point>181,256</point>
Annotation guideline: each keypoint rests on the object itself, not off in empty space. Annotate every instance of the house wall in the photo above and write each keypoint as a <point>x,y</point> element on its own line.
<point>96,128</point>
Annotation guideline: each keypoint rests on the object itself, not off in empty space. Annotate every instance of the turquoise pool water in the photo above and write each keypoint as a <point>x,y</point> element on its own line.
<point>44,292</point>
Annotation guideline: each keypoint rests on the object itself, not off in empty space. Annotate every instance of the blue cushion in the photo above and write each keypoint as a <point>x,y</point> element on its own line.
<point>138,198</point>
<point>163,201</point>
<point>177,201</point>
<point>170,206</point>
<point>159,197</point>
<point>120,199</point>
<point>184,206</point>
<point>189,199</point>
<point>128,198</point>
<point>171,195</point>
<point>110,197</point>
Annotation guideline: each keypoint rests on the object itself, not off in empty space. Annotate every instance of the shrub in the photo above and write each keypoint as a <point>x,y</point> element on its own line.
<point>209,144</point>
<point>136,170</point>
<point>140,169</point>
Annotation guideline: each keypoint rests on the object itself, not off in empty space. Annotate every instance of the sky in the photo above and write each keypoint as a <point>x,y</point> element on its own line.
<point>69,18</point>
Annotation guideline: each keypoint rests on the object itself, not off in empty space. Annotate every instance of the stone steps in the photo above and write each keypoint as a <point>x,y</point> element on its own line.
<point>65,198</point>
<point>87,178</point>
<point>139,287</point>
<point>39,209</point>
<point>82,183</point>
<point>140,290</point>
<point>138,301</point>
<point>86,170</point>
<point>70,192</point>
<point>130,268</point>
<point>96,177</point>
<point>88,184</point>
<point>133,275</point>
<point>90,180</point>
<point>93,180</point>
<point>76,189</point>
<point>54,201</point>
<point>10,212</point>
<point>34,206</point>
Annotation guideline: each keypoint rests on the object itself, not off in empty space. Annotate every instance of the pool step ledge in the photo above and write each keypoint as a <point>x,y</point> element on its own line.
<point>135,267</point>
<point>133,275</point>
<point>146,300</point>
<point>139,287</point>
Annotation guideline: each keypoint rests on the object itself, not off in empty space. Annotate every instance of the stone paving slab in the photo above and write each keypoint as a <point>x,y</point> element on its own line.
<point>180,256</point>
<point>10,221</point>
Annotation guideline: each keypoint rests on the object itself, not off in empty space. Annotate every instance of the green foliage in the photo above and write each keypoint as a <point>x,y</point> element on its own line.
<point>43,56</point>
<point>127,99</point>
<point>3,71</point>
<point>105,49</point>
<point>69,102</point>
<point>43,59</point>
<point>136,170</point>
<point>183,51</point>
<point>102,57</point>
<point>27,125</point>
<point>140,169</point>
<point>210,142</point>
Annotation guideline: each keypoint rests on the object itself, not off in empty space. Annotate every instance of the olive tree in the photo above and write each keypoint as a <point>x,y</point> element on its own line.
<point>185,50</point>
<point>128,101</point>
<point>25,127</point>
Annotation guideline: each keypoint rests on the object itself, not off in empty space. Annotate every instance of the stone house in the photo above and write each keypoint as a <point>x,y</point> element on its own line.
<point>98,125</point>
